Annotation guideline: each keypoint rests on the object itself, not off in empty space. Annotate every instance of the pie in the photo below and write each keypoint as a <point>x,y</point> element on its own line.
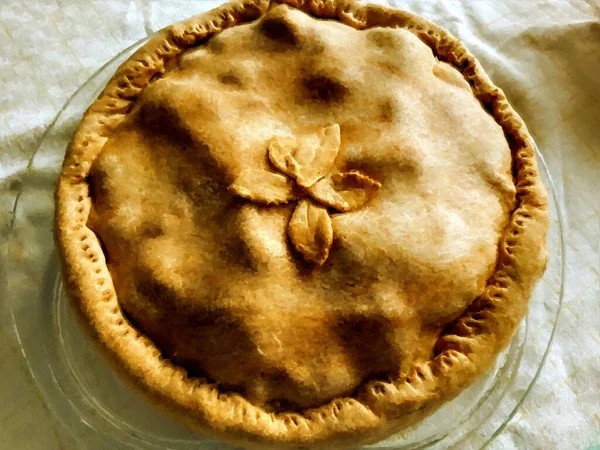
<point>302,222</point>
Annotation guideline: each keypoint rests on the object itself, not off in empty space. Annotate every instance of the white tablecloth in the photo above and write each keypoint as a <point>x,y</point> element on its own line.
<point>544,54</point>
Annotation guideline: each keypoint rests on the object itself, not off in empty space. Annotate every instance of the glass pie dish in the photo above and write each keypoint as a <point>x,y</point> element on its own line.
<point>101,410</point>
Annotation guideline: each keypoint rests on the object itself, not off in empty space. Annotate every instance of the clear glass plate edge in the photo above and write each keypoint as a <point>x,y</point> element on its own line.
<point>552,190</point>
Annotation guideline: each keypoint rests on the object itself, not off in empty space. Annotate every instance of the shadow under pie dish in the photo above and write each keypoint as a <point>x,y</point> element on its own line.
<point>302,223</point>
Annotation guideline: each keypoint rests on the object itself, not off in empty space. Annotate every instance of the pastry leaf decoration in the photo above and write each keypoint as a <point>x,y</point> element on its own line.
<point>307,162</point>
<point>263,187</point>
<point>310,231</point>
<point>344,191</point>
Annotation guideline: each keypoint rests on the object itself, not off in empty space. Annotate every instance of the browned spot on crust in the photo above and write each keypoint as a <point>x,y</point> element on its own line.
<point>230,79</point>
<point>387,111</point>
<point>278,28</point>
<point>324,88</point>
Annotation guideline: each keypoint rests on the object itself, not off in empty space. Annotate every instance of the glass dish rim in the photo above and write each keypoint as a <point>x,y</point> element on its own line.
<point>541,162</point>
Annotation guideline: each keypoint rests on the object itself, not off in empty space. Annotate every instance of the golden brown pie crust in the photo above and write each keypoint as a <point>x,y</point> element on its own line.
<point>377,408</point>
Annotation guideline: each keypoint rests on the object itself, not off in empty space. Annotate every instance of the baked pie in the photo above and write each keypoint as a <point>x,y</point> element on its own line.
<point>302,222</point>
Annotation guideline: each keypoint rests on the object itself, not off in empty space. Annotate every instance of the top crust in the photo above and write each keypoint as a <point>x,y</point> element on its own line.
<point>157,206</point>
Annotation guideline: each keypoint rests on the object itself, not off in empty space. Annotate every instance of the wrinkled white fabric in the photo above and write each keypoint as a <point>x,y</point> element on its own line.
<point>544,54</point>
